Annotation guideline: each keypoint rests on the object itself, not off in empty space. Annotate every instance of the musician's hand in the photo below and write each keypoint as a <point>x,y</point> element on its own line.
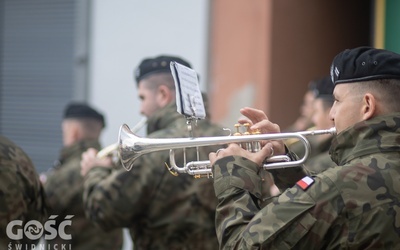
<point>235,149</point>
<point>90,160</point>
<point>43,178</point>
<point>259,120</point>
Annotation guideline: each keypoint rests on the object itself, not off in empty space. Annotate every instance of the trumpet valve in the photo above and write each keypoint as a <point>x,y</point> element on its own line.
<point>237,127</point>
<point>238,133</point>
<point>256,144</point>
<point>247,145</point>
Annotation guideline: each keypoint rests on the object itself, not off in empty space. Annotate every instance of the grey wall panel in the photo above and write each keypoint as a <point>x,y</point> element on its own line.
<point>37,60</point>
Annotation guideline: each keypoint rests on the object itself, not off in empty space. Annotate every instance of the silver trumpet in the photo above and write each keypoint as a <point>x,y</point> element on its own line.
<point>111,150</point>
<point>131,147</point>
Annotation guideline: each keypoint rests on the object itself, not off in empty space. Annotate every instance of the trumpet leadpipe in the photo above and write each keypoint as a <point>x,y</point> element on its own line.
<point>107,151</point>
<point>139,125</point>
<point>331,131</point>
<point>111,150</point>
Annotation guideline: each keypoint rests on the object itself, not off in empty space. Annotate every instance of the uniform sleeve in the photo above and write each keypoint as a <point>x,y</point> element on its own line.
<point>62,186</point>
<point>235,182</point>
<point>285,178</point>
<point>114,198</point>
<point>285,223</point>
<point>21,193</point>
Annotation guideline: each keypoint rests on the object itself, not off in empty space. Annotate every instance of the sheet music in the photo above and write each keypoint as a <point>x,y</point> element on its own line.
<point>189,101</point>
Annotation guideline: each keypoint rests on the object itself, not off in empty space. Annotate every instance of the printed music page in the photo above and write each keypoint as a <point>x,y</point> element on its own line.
<point>189,101</point>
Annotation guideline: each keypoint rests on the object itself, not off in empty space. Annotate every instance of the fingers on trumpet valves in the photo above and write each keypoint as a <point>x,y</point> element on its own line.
<point>244,129</point>
<point>218,151</point>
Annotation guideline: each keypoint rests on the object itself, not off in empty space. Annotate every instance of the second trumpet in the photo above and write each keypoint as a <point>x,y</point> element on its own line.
<point>111,150</point>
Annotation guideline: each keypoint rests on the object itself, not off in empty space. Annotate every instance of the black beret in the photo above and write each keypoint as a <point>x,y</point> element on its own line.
<point>82,110</point>
<point>311,86</point>
<point>365,64</point>
<point>324,88</point>
<point>157,65</point>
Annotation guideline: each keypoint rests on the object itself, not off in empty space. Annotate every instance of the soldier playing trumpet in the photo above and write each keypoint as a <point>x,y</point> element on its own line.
<point>352,206</point>
<point>161,211</point>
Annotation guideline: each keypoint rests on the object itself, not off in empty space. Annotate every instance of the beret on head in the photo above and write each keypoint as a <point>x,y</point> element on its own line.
<point>311,86</point>
<point>324,88</point>
<point>365,64</point>
<point>157,64</point>
<point>82,110</point>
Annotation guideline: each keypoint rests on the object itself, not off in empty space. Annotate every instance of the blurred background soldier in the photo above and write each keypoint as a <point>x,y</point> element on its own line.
<point>304,121</point>
<point>320,158</point>
<point>162,211</point>
<point>21,194</point>
<point>81,128</point>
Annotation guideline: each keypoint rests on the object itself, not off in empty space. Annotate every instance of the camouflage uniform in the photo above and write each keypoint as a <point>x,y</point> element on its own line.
<point>321,159</point>
<point>64,189</point>
<point>21,194</point>
<point>352,206</point>
<point>162,211</point>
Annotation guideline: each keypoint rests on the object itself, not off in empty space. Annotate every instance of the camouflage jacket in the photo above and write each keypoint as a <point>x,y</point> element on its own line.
<point>64,189</point>
<point>21,194</point>
<point>321,160</point>
<point>352,206</point>
<point>162,211</point>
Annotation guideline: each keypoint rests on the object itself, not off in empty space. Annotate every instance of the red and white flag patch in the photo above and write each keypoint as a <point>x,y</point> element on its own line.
<point>305,182</point>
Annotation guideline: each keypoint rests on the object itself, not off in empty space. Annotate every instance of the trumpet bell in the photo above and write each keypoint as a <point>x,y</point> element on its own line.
<point>112,150</point>
<point>129,147</point>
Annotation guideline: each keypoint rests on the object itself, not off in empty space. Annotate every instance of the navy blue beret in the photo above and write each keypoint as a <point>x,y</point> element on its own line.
<point>157,64</point>
<point>365,64</point>
<point>82,110</point>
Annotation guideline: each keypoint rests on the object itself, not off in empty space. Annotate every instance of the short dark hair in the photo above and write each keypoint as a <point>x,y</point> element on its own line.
<point>156,80</point>
<point>387,90</point>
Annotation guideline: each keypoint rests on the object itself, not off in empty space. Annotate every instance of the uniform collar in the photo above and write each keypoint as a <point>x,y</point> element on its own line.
<point>162,118</point>
<point>76,149</point>
<point>379,134</point>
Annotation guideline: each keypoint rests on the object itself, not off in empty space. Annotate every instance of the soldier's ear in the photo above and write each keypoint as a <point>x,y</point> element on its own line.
<point>77,131</point>
<point>165,95</point>
<point>369,106</point>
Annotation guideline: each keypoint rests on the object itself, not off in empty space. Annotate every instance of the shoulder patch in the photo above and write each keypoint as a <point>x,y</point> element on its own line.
<point>305,183</point>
